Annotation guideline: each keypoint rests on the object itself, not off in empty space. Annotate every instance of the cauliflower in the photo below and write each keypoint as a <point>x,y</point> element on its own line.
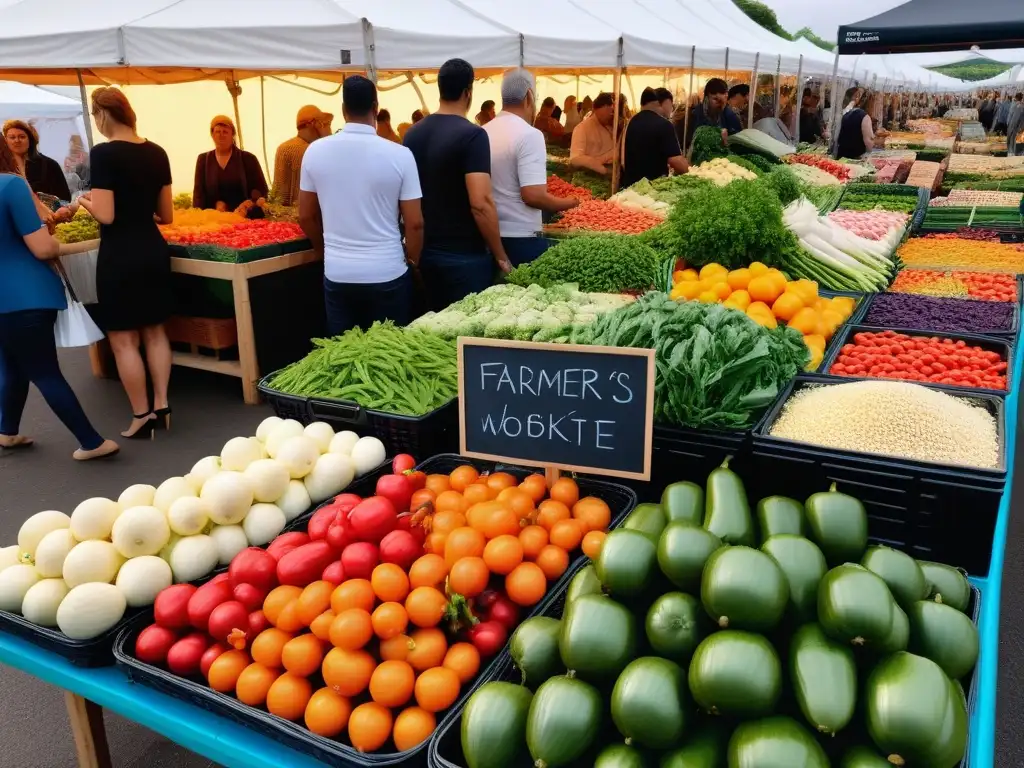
<point>501,327</point>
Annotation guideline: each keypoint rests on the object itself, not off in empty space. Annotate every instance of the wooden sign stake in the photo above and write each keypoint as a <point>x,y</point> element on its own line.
<point>551,475</point>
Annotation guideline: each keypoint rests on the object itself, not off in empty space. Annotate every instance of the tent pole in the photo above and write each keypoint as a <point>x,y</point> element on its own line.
<point>369,51</point>
<point>86,110</point>
<point>236,90</point>
<point>753,90</point>
<point>778,88</point>
<point>799,88</point>
<point>664,78</point>
<point>726,78</point>
<point>689,95</point>
<point>263,125</point>
<point>616,92</point>
<point>832,100</point>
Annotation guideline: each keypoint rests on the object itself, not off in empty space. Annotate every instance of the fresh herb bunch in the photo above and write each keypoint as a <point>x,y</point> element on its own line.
<point>784,183</point>
<point>596,263</point>
<point>599,186</point>
<point>707,145</point>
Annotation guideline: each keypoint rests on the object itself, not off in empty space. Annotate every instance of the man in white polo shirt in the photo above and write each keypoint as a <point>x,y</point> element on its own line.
<point>354,186</point>
<point>519,170</point>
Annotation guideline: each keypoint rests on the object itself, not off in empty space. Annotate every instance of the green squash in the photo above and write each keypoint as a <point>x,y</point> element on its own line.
<point>779,515</point>
<point>704,749</point>
<point>564,719</point>
<point>855,606</point>
<point>775,742</point>
<point>838,524</point>
<point>534,649</point>
<point>650,702</point>
<point>899,636</point>
<point>944,635</point>
<point>823,674</point>
<point>675,625</point>
<point>736,673</point>
<point>864,757</point>
<point>743,588</point>
<point>726,509</point>
<point>648,519</point>
<point>948,585</point>
<point>494,726</point>
<point>683,550</point>
<point>915,713</point>
<point>803,565</point>
<point>583,583</point>
<point>619,756</point>
<point>598,637</point>
<point>626,564</point>
<point>899,571</point>
<point>683,501</point>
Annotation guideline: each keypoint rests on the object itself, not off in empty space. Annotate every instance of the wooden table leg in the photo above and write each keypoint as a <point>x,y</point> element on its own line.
<point>246,336</point>
<point>87,728</point>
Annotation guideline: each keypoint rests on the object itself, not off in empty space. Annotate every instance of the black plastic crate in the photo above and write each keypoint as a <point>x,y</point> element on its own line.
<point>684,453</point>
<point>1002,346</point>
<point>96,652</point>
<point>1010,332</point>
<point>285,406</point>
<point>938,512</point>
<point>432,433</point>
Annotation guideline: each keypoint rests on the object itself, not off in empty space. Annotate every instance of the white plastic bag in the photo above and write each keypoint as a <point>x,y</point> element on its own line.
<point>80,270</point>
<point>74,327</point>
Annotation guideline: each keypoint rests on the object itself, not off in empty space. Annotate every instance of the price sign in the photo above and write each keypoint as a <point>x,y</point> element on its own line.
<point>561,406</point>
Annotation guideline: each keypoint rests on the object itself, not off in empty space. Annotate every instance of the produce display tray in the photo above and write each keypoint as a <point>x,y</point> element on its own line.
<point>933,511</point>
<point>1010,333</point>
<point>362,486</point>
<point>96,652</point>
<point>685,453</point>
<point>1004,347</point>
<point>620,499</point>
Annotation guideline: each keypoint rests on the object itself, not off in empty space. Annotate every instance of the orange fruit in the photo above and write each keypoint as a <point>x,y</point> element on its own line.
<point>353,593</point>
<point>738,279</point>
<point>447,521</point>
<point>277,599</point>
<point>391,683</point>
<point>254,683</point>
<point>390,583</point>
<point>413,726</point>
<point>533,538</point>
<point>268,646</point>
<point>463,477</point>
<point>476,514</point>
<point>288,619</point>
<point>302,655</point>
<point>438,484</point>
<point>351,629</point>
<point>288,696</point>
<point>396,648</point>
<point>478,492</point>
<point>738,300</point>
<point>469,576</point>
<point>764,288</point>
<point>553,560</point>
<point>347,672</point>
<point>327,713</point>
<point>592,543</point>
<point>500,522</point>
<point>499,481</point>
<point>787,305</point>
<point>434,545</point>
<point>805,321</point>
<point>429,648</point>
<point>464,660</point>
<point>463,542</point>
<point>424,497</point>
<point>428,571</point>
<point>314,600</point>
<point>536,486</point>
<point>321,625</point>
<point>519,501</point>
<point>437,688</point>
<point>757,269</point>
<point>426,606</point>
<point>721,290</point>
<point>451,501</point>
<point>369,726</point>
<point>226,669</point>
<point>566,491</point>
<point>503,553</point>
<point>567,534</point>
<point>389,620</point>
<point>593,513</point>
<point>550,512</point>
<point>526,585</point>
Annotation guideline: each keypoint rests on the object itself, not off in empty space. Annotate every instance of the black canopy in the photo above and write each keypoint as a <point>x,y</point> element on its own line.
<point>937,25</point>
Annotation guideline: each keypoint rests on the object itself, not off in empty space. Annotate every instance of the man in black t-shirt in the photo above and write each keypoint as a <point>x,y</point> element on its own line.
<point>461,241</point>
<point>650,147</point>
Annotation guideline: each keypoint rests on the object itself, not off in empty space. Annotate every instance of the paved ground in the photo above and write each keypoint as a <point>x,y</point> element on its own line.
<point>208,411</point>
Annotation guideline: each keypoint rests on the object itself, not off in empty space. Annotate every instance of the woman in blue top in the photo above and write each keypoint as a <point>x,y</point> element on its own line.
<point>31,294</point>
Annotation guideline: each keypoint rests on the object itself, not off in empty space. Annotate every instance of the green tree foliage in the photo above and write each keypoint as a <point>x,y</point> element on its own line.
<point>808,34</point>
<point>972,70</point>
<point>763,15</point>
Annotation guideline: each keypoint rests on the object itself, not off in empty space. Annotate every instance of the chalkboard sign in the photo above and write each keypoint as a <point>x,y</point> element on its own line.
<point>587,409</point>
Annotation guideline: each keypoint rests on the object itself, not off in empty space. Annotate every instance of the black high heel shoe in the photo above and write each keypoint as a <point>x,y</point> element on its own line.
<point>147,429</point>
<point>164,414</point>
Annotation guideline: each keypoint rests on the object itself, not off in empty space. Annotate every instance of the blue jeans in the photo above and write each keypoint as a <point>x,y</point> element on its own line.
<point>523,250</point>
<point>361,304</point>
<point>28,354</point>
<point>451,277</point>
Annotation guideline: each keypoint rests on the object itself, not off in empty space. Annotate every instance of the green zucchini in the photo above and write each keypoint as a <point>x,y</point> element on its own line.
<point>705,749</point>
<point>726,509</point>
<point>648,519</point>
<point>564,719</point>
<point>948,585</point>
<point>779,514</point>
<point>744,588</point>
<point>944,635</point>
<point>915,715</point>
<point>899,636</point>
<point>626,564</point>
<point>534,649</point>
<point>583,583</point>
<point>736,673</point>
<point>494,726</point>
<point>824,678</point>
<point>675,624</point>
<point>619,756</point>
<point>899,571</point>
<point>775,742</point>
<point>683,501</point>
<point>598,637</point>
<point>683,551</point>
<point>855,606</point>
<point>864,757</point>
<point>650,701</point>
<point>803,565</point>
<point>838,524</point>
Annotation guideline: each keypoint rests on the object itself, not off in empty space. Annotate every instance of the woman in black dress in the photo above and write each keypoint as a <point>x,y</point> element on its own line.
<point>131,184</point>
<point>43,173</point>
<point>226,176</point>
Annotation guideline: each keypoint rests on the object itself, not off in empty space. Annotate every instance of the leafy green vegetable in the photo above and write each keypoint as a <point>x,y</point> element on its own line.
<point>744,162</point>
<point>596,263</point>
<point>784,183</point>
<point>707,145</point>
<point>599,186</point>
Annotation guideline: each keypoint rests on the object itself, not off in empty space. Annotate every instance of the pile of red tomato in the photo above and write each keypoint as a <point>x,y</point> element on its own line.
<point>374,619</point>
<point>248,234</point>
